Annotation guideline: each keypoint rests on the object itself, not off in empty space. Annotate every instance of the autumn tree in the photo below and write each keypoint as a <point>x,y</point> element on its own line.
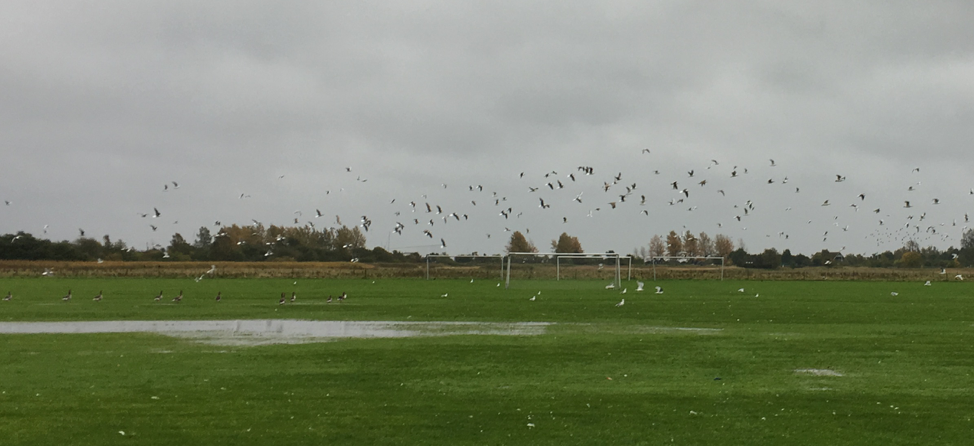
<point>566,244</point>
<point>706,245</point>
<point>723,245</point>
<point>656,246</point>
<point>674,244</point>
<point>690,246</point>
<point>910,259</point>
<point>346,238</point>
<point>519,244</point>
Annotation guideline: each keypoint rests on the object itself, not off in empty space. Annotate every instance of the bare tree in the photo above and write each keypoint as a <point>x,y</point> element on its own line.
<point>656,246</point>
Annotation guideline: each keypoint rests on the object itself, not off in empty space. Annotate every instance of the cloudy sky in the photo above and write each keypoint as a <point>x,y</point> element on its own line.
<point>343,107</point>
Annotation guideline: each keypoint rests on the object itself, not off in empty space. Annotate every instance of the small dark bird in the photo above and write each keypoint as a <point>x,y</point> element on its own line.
<point>219,296</point>
<point>283,299</point>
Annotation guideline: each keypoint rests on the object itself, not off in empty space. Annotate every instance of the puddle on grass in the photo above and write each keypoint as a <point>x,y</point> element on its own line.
<point>818,372</point>
<point>279,331</point>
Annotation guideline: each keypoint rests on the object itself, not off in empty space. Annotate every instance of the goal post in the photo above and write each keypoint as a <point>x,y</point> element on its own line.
<point>474,260</point>
<point>682,259</point>
<point>617,280</point>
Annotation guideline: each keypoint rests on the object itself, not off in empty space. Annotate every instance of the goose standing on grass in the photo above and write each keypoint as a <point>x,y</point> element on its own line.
<point>283,300</point>
<point>67,297</point>
<point>178,298</point>
<point>159,296</point>
<point>294,296</point>
<point>329,300</point>
<point>219,296</point>
<point>659,290</point>
<point>9,296</point>
<point>98,297</point>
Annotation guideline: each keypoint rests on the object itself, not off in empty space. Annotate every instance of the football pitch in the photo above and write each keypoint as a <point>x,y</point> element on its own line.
<point>705,362</point>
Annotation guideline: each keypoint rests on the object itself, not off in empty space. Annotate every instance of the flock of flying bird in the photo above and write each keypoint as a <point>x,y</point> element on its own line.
<point>713,196</point>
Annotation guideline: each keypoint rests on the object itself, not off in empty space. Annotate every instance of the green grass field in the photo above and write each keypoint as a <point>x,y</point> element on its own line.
<point>600,375</point>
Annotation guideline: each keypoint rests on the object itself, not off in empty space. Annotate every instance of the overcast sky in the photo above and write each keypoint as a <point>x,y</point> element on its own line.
<point>344,107</point>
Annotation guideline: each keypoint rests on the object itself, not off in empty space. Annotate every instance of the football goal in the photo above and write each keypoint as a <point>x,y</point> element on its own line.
<point>464,266</point>
<point>613,260</point>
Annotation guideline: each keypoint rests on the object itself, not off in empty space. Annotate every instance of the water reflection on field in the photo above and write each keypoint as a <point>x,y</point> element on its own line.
<point>278,331</point>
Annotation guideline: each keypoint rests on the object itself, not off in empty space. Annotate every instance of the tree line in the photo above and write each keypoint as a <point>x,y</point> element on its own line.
<point>230,243</point>
<point>282,243</point>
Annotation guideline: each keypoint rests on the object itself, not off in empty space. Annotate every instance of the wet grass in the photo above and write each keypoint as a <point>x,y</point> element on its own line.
<point>601,375</point>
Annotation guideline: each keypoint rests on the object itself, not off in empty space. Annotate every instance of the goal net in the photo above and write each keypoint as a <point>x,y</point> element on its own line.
<point>557,265</point>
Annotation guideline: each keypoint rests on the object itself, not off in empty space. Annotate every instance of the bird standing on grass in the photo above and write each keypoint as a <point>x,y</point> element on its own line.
<point>659,290</point>
<point>621,303</point>
<point>283,300</point>
<point>178,298</point>
<point>294,296</point>
<point>98,297</point>
<point>67,297</point>
<point>9,296</point>
<point>219,296</point>
<point>159,296</point>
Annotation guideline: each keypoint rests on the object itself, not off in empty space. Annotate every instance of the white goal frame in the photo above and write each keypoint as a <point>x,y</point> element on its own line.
<point>582,255</point>
<point>557,255</point>
<point>678,258</point>
<point>493,256</point>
